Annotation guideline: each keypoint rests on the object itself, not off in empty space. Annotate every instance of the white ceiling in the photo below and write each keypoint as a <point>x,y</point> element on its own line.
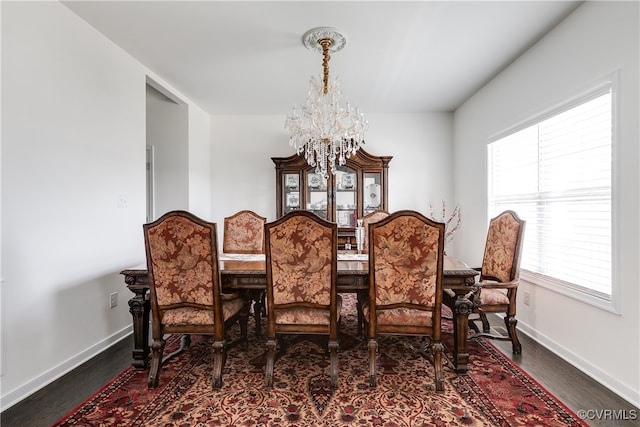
<point>240,57</point>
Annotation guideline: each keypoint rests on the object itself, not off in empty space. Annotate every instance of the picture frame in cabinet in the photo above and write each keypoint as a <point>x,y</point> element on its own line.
<point>293,199</point>
<point>372,196</point>
<point>315,181</point>
<point>292,181</point>
<point>348,181</point>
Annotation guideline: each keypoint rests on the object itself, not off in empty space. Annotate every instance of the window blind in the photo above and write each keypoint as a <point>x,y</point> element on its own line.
<point>556,174</point>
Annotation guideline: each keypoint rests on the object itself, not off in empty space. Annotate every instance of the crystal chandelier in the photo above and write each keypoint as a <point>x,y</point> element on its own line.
<point>325,131</point>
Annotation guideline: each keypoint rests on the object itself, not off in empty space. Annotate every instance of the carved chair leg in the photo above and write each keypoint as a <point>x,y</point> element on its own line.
<point>259,309</point>
<point>333,352</point>
<point>271,356</point>
<point>473,326</point>
<point>365,328</point>
<point>218,363</point>
<point>361,296</point>
<point>511,322</point>
<point>244,322</point>
<point>486,327</point>
<point>263,304</point>
<point>185,341</point>
<point>323,343</point>
<point>373,349</point>
<point>437,364</point>
<point>157,347</point>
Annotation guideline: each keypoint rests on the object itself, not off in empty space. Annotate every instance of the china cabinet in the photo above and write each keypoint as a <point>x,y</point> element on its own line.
<point>356,189</point>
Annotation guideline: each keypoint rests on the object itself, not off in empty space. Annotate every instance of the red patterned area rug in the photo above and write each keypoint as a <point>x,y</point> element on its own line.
<point>494,392</point>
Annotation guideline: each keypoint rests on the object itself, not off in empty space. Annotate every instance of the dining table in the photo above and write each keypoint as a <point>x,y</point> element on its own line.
<point>248,272</point>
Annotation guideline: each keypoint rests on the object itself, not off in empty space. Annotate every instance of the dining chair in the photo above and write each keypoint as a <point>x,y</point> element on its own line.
<point>302,297</point>
<point>405,285</point>
<point>499,277</point>
<point>184,289</point>
<point>244,233</point>
<point>372,217</point>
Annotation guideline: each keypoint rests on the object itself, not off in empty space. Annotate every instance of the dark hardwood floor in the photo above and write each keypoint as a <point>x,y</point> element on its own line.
<point>571,386</point>
<point>51,403</point>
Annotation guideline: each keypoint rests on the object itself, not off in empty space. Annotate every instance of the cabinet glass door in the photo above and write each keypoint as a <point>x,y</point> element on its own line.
<point>371,194</point>
<point>291,194</point>
<point>316,194</point>
<point>346,197</point>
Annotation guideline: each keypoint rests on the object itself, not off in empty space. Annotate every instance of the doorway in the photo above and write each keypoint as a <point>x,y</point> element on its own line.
<point>167,162</point>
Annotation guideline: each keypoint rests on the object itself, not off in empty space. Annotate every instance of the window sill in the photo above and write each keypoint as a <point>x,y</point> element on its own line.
<point>571,291</point>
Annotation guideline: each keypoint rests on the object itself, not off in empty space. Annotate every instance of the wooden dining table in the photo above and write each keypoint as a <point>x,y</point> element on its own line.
<point>248,272</point>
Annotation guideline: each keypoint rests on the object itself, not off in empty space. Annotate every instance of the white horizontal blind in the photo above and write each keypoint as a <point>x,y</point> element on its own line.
<point>556,174</point>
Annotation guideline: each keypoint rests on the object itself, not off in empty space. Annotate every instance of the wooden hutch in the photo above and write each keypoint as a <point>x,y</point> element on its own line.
<point>356,189</point>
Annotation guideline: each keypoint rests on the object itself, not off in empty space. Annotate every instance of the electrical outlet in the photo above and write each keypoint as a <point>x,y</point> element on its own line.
<point>526,297</point>
<point>113,300</point>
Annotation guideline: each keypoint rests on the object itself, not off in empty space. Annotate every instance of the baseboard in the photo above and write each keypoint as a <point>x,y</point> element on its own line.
<point>579,363</point>
<point>27,389</point>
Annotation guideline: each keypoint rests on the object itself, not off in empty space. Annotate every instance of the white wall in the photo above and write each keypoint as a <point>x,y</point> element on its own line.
<point>421,172</point>
<point>199,162</point>
<point>243,175</point>
<point>73,145</point>
<point>598,38</point>
<point>65,165</point>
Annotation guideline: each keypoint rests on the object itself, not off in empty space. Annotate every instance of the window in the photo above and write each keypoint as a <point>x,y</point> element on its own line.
<point>556,174</point>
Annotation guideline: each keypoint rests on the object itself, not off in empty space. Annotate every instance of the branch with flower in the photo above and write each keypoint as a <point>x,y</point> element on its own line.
<point>451,224</point>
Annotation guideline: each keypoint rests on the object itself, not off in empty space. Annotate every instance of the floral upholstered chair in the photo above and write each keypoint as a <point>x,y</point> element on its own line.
<point>244,233</point>
<point>374,216</point>
<point>500,276</point>
<point>184,288</point>
<point>405,285</point>
<point>302,297</point>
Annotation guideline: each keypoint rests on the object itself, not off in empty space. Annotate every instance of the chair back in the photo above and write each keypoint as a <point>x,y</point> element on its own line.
<point>182,263</point>
<point>244,233</point>
<point>374,216</point>
<point>301,254</point>
<point>501,260</point>
<point>405,268</point>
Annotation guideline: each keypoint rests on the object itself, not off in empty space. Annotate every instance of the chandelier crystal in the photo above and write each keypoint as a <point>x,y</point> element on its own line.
<point>323,129</point>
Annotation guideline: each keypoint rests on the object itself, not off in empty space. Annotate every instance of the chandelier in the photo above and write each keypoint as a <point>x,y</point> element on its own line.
<point>324,130</point>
